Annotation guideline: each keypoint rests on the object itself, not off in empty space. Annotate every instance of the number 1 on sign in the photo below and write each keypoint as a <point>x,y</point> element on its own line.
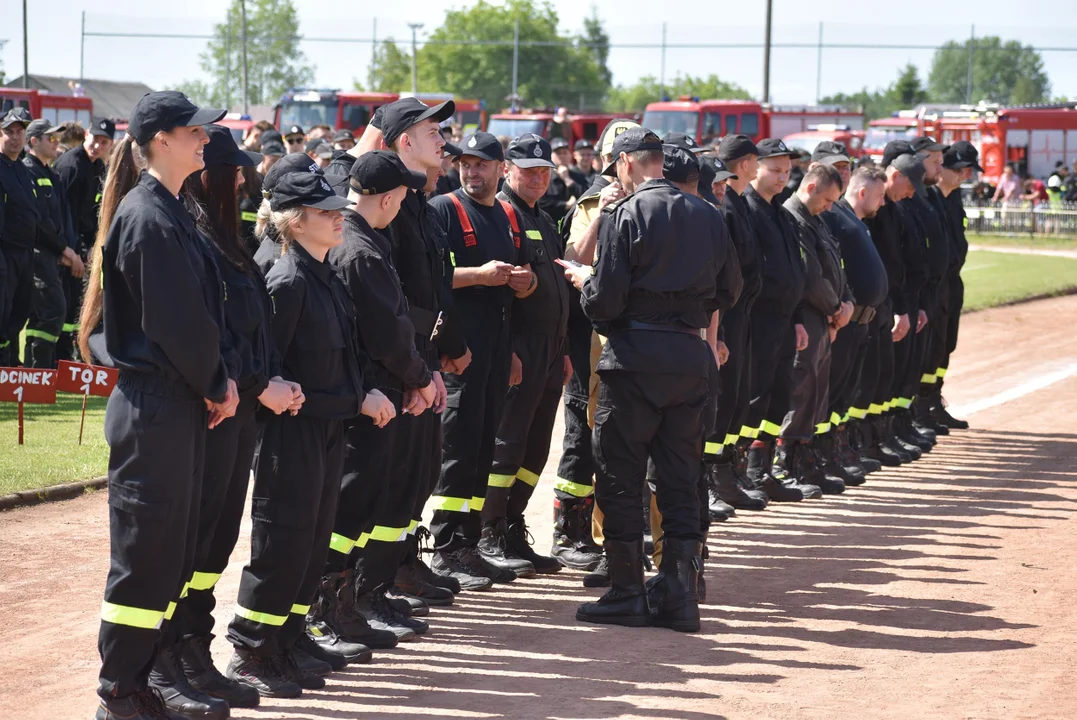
<point>18,393</point>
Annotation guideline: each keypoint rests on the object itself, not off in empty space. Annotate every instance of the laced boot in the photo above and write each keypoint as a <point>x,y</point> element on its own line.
<point>760,471</point>
<point>861,441</point>
<point>942,416</point>
<point>414,561</point>
<point>146,704</point>
<point>572,543</point>
<point>922,421</point>
<point>335,607</point>
<point>179,697</point>
<point>812,469</point>
<point>783,475</point>
<point>519,544</point>
<point>205,677</point>
<point>903,436</point>
<point>625,603</point>
<point>678,608</point>
<point>466,566</point>
<point>888,444</point>
<point>321,642</point>
<point>740,472</point>
<point>494,549</point>
<point>265,674</point>
<point>303,670</point>
<point>722,477</point>
<point>846,458</point>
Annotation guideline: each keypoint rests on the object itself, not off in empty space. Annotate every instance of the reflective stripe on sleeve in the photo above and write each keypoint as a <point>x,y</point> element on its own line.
<point>248,217</point>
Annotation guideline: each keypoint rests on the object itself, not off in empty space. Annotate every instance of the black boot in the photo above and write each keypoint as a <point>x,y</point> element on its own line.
<point>321,642</point>
<point>740,472</point>
<point>846,458</point>
<point>204,676</point>
<point>39,353</point>
<point>146,704</point>
<point>494,549</point>
<point>336,608</point>
<point>573,545</point>
<point>924,423</point>
<point>414,561</point>
<point>167,676</point>
<point>909,433</point>
<point>519,541</point>
<point>903,436</point>
<point>812,470</point>
<point>466,566</point>
<point>303,670</point>
<point>267,675</point>
<point>406,605</point>
<point>373,606</point>
<point>943,418</point>
<point>409,581</point>
<point>723,478</point>
<point>625,603</point>
<point>860,440</point>
<point>678,608</point>
<point>701,582</point>
<point>717,508</point>
<point>600,576</point>
<point>888,444</point>
<point>782,484</point>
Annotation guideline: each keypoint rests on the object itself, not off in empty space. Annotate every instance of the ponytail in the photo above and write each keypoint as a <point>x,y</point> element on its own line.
<point>277,225</point>
<point>125,166</point>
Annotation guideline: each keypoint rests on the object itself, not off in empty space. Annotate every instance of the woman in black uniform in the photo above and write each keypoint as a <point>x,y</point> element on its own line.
<point>298,471</point>
<point>153,306</point>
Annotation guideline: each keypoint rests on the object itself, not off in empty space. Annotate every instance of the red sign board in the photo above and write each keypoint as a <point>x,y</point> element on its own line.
<point>83,379</point>
<point>28,385</point>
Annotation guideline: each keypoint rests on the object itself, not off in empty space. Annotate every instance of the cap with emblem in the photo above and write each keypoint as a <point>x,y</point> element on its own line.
<point>164,111</point>
<point>222,149</point>
<point>103,127</point>
<point>721,170</point>
<point>632,140</point>
<point>961,155</point>
<point>293,131</point>
<point>683,141</point>
<point>558,144</point>
<point>611,131</point>
<point>894,149</point>
<point>911,167</point>
<point>775,147</point>
<point>301,189</point>
<point>290,163</point>
<point>382,171</point>
<point>41,127</point>
<point>830,152</point>
<point>583,144</point>
<point>483,145</point>
<point>734,147</point>
<point>530,151</point>
<point>16,115</point>
<point>678,165</point>
<point>927,144</point>
<point>398,116</point>
<point>341,135</point>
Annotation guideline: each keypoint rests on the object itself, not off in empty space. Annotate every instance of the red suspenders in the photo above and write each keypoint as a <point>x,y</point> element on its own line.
<point>469,231</point>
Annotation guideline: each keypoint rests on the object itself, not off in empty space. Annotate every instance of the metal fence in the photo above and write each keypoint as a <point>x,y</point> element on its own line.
<point>1023,218</point>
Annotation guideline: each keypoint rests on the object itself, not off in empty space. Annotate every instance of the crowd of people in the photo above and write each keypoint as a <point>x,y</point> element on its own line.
<point>384,326</point>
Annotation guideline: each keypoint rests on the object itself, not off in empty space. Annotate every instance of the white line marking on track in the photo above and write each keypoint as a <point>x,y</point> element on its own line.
<point>1018,391</point>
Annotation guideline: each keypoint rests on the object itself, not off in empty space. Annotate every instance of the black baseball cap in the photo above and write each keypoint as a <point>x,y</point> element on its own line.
<point>829,152</point>
<point>164,111</point>
<point>382,171</point>
<point>631,140</point>
<point>721,171</point>
<point>775,147</point>
<point>927,144</point>
<point>911,167</point>
<point>294,130</point>
<point>18,115</point>
<point>295,181</point>
<point>103,127</point>
<point>343,135</point>
<point>583,144</point>
<point>312,144</point>
<point>41,127</point>
<point>483,145</point>
<point>706,180</point>
<point>734,147</point>
<point>678,164</point>
<point>451,149</point>
<point>683,141</point>
<point>558,143</point>
<point>609,133</point>
<point>222,149</point>
<point>274,147</point>
<point>530,151</point>
<point>290,163</point>
<point>398,116</point>
<point>375,119</point>
<point>963,154</point>
<point>894,149</point>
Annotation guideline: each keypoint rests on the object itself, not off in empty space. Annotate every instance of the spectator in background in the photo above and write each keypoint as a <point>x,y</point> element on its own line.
<point>252,138</point>
<point>321,132</point>
<point>320,152</point>
<point>343,140</point>
<point>72,136</point>
<point>1009,187</point>
<point>1035,191</point>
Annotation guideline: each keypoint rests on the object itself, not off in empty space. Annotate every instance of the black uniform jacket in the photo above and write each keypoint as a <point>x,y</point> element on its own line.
<point>825,288</point>
<point>864,269</point>
<point>738,221</point>
<point>893,241</point>
<point>365,265</point>
<point>927,216</point>
<point>55,230</point>
<point>545,311</point>
<point>660,260</point>
<point>314,330</point>
<point>21,213</point>
<point>955,220</point>
<point>83,179</point>
<point>421,258</point>
<point>555,202</point>
<point>162,312</point>
<point>338,170</point>
<point>784,270</point>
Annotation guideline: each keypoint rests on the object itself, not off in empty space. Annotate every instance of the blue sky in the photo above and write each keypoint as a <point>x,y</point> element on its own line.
<point>54,38</point>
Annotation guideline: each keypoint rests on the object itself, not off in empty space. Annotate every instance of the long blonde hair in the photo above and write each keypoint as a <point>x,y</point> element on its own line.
<point>277,224</point>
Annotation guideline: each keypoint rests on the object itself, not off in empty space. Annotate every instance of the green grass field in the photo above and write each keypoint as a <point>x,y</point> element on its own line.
<point>1040,242</point>
<point>994,278</point>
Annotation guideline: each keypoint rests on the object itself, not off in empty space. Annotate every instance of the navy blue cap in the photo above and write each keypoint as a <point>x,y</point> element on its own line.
<point>222,149</point>
<point>166,110</point>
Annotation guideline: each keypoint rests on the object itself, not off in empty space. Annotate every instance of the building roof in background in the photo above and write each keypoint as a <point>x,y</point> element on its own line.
<point>111,99</point>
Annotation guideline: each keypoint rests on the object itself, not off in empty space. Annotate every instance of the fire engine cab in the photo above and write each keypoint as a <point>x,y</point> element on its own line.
<point>708,120</point>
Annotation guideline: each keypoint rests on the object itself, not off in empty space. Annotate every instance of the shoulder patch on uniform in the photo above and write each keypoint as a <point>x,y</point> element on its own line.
<point>615,204</point>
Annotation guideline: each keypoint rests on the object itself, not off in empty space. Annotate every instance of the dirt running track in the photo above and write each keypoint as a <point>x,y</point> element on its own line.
<point>944,590</point>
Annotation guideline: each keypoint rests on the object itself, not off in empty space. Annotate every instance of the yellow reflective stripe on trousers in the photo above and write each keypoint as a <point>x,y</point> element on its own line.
<point>341,544</point>
<point>501,481</point>
<point>451,504</point>
<point>131,616</point>
<point>248,217</point>
<point>411,527</point>
<point>573,488</point>
<point>70,327</point>
<point>382,533</point>
<point>903,402</point>
<point>941,372</point>
<point>731,439</point>
<point>858,413</point>
<point>261,617</point>
<point>525,475</point>
<point>170,611</point>
<point>835,419</point>
<point>203,581</point>
<point>822,428</point>
<point>477,503</point>
<point>300,609</point>
<point>770,428</point>
<point>712,448</point>
<point>928,378</point>
<point>750,433</point>
<point>874,409</point>
<point>41,334</point>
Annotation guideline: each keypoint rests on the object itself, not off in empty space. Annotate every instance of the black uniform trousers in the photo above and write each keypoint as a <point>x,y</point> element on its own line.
<point>576,470</point>
<point>74,289</point>
<point>657,416</point>
<point>807,413</point>
<point>908,364</point>
<point>156,431</point>
<point>374,514</point>
<point>227,473</point>
<point>847,355</point>
<point>469,425</point>
<point>957,302</point>
<point>735,378</point>
<point>877,378</point>
<point>774,346</point>
<point>294,505</point>
<point>526,428</point>
<point>48,307</point>
<point>937,343</point>
<point>18,292</point>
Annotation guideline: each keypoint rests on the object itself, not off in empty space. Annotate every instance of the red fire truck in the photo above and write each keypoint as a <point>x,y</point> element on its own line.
<point>707,120</point>
<point>56,108</point>
<point>573,126</point>
<point>337,109</point>
<point>815,134</point>
<point>470,114</point>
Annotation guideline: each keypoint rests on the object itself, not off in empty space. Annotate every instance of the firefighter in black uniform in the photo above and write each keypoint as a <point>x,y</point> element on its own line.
<point>776,332</point>
<point>250,200</point>
<point>539,326</point>
<point>300,457</point>
<point>492,266</point>
<point>21,218</point>
<point>54,250</point>
<point>374,516</point>
<point>651,295</point>
<point>156,294</point>
<point>82,170</point>
<point>825,309</point>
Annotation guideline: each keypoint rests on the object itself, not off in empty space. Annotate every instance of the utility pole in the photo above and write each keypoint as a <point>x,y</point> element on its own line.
<point>515,63</point>
<point>414,59</point>
<point>819,66</point>
<point>243,30</point>
<point>228,68</point>
<point>662,75</point>
<point>82,50</point>
<point>968,86</point>
<point>25,49</point>
<point>766,55</point>
<point>373,55</point>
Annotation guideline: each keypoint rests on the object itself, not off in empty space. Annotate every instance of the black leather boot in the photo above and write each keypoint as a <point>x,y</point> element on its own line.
<point>814,469</point>
<point>723,478</point>
<point>168,678</point>
<point>625,603</point>
<point>494,549</point>
<point>573,545</point>
<point>678,608</point>
<point>784,479</point>
<point>337,610</point>
<point>519,541</point>
<point>204,676</point>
